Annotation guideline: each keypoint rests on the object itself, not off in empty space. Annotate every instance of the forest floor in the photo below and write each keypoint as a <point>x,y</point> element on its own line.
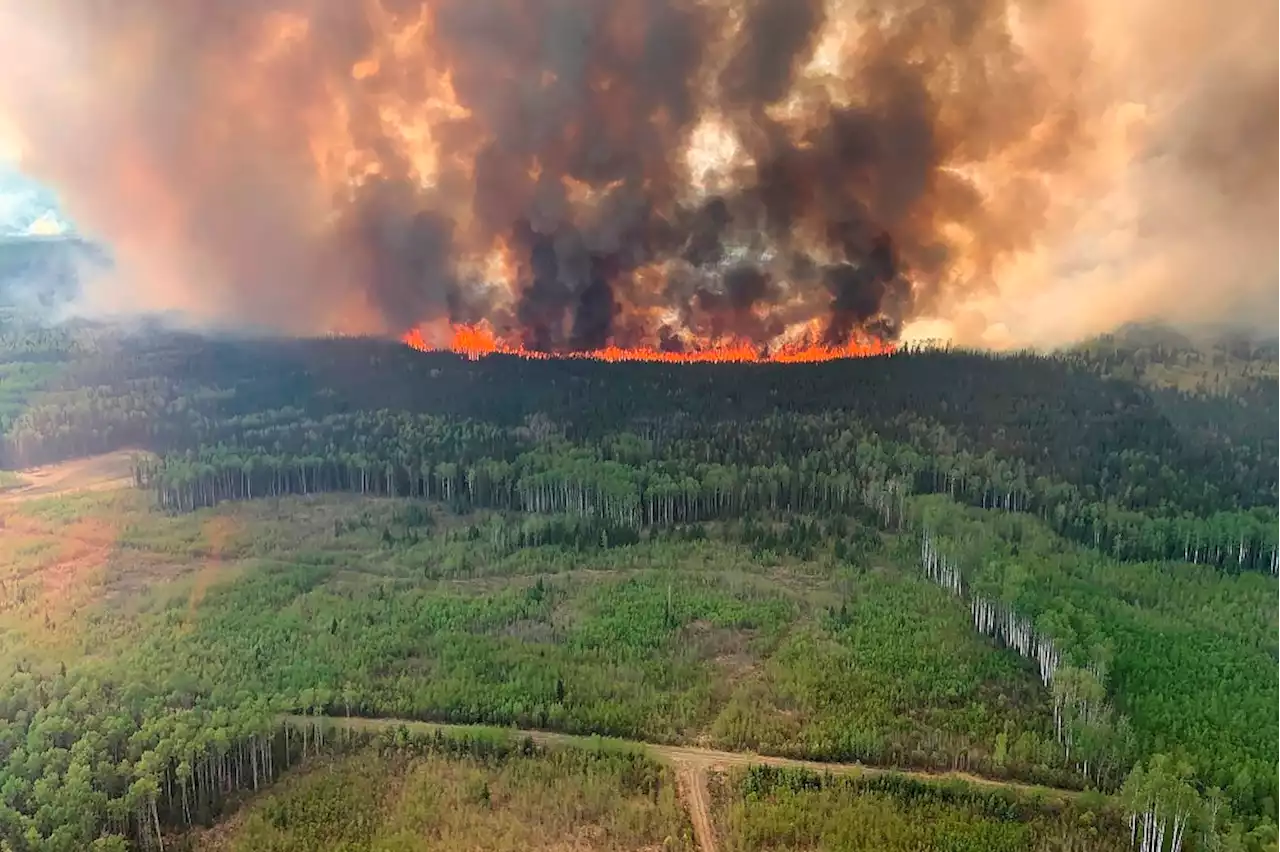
<point>693,764</point>
<point>92,473</point>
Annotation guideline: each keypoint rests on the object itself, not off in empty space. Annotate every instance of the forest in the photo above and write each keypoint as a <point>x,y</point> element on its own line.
<point>1054,570</point>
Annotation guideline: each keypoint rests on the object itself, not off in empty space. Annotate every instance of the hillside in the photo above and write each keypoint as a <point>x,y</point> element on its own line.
<point>1031,570</point>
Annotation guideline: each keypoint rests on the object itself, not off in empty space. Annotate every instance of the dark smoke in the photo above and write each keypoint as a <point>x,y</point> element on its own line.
<point>567,142</point>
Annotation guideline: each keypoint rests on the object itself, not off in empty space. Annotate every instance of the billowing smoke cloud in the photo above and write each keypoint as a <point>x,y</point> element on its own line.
<point>665,172</point>
<point>1172,214</point>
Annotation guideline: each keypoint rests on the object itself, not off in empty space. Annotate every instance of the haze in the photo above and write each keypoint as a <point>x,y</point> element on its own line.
<point>1040,172</point>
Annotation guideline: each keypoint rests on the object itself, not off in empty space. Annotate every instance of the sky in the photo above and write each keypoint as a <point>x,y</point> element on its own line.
<point>26,205</point>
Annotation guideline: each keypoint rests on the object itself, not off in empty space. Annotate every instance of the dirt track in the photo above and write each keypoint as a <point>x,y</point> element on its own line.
<point>692,764</point>
<point>693,790</point>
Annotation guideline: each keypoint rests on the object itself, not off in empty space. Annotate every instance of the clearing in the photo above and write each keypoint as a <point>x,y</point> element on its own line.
<point>93,473</point>
<point>692,766</point>
<point>437,797</point>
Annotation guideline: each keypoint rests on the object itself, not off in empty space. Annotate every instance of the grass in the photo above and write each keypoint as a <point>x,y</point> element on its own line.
<point>554,800</point>
<point>897,663</point>
<point>770,810</point>
<point>78,571</point>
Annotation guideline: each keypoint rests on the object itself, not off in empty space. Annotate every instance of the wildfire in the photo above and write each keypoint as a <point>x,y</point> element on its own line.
<point>477,341</point>
<point>550,170</point>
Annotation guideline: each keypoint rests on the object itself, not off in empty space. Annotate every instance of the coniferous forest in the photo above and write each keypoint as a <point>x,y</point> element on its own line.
<point>1055,572</point>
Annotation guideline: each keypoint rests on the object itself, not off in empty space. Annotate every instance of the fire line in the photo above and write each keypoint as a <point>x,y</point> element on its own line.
<point>477,341</point>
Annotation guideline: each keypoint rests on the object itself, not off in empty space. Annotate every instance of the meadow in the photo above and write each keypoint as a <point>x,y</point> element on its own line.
<point>434,794</point>
<point>790,810</point>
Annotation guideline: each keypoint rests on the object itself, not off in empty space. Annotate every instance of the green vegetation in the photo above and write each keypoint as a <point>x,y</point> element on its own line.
<point>894,676</point>
<point>763,808</point>
<point>407,792</point>
<point>1190,656</point>
<point>1037,569</point>
<point>442,618</point>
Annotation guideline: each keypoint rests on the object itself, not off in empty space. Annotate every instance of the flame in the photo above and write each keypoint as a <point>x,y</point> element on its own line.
<point>476,341</point>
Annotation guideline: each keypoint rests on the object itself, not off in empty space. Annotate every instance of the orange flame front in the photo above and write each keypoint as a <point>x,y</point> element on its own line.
<point>477,341</point>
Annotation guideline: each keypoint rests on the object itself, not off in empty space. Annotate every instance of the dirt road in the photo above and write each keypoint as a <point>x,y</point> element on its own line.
<point>697,799</point>
<point>692,765</point>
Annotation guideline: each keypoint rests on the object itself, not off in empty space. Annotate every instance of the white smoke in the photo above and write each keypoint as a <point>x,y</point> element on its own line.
<point>27,208</point>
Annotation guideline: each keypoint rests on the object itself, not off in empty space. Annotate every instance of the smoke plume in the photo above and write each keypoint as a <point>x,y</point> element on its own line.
<point>673,173</point>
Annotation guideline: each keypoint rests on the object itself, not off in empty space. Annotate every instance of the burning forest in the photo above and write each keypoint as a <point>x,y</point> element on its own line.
<point>657,179</point>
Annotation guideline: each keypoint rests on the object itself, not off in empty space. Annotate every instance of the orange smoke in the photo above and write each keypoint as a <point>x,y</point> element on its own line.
<point>477,341</point>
